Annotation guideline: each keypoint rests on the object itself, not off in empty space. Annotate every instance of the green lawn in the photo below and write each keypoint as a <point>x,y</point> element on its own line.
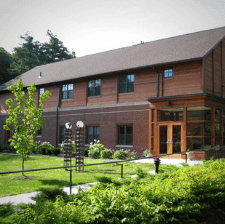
<point>12,184</point>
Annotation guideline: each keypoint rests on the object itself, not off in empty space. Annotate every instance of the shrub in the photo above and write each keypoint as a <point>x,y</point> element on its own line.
<point>133,155</point>
<point>122,154</point>
<point>46,148</point>
<point>106,180</point>
<point>146,153</point>
<point>86,151</point>
<point>95,149</point>
<point>106,154</point>
<point>140,173</point>
<point>56,151</point>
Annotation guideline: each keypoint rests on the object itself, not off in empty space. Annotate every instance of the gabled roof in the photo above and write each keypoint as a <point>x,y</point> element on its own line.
<point>175,49</point>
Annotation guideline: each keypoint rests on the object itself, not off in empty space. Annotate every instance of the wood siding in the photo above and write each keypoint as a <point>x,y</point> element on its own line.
<point>214,71</point>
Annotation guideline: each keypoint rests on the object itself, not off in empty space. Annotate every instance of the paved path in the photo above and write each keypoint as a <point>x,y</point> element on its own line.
<point>26,198</point>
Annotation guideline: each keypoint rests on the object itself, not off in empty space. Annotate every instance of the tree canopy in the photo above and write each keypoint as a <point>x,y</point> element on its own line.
<point>31,54</point>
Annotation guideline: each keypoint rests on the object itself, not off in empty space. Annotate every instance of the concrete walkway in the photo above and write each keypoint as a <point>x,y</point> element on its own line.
<point>26,198</point>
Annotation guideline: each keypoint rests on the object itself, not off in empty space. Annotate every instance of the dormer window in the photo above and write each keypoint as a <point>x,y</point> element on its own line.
<point>168,72</point>
<point>67,91</point>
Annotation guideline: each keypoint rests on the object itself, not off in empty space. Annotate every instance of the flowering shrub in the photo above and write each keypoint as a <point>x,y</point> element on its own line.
<point>125,154</point>
<point>95,149</point>
<point>46,148</point>
<point>146,153</point>
<point>106,154</point>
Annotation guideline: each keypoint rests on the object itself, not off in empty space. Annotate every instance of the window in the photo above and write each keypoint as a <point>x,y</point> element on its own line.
<point>62,134</point>
<point>41,91</point>
<point>125,135</point>
<point>174,114</point>
<point>94,87</point>
<point>126,83</point>
<point>168,72</point>
<point>67,91</point>
<point>39,132</point>
<point>92,133</point>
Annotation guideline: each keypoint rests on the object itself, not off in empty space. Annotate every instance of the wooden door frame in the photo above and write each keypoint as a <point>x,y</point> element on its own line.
<point>169,125</point>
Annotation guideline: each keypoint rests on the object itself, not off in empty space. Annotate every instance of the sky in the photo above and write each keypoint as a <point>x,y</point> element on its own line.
<point>93,26</point>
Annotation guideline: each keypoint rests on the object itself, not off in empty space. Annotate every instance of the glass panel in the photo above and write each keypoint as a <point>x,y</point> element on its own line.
<point>89,139</point>
<point>121,140</point>
<point>122,88</point>
<point>121,130</point>
<point>217,116</point>
<point>122,79</point>
<point>176,138</point>
<point>198,143</point>
<point>64,88</point>
<point>70,87</point>
<point>130,78</point>
<point>153,115</point>
<point>98,82</point>
<point>129,139</point>
<point>217,142</point>
<point>130,87</point>
<point>91,83</point>
<point>217,129</point>
<point>198,113</point>
<point>96,130</point>
<point>199,129</point>
<point>171,115</point>
<point>168,73</point>
<point>70,94</point>
<point>90,91</point>
<point>129,130</point>
<point>97,91</point>
<point>64,95</point>
<point>163,139</point>
<point>90,130</point>
<point>42,90</point>
<point>62,133</point>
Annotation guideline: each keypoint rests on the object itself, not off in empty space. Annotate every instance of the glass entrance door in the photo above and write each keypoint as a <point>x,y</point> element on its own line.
<point>170,138</point>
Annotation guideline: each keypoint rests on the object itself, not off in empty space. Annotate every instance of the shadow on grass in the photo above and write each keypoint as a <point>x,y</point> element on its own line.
<point>60,183</point>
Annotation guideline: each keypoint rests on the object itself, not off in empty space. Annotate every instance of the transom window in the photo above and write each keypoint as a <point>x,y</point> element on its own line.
<point>67,91</point>
<point>92,133</point>
<point>168,72</point>
<point>125,134</point>
<point>41,90</point>
<point>94,87</point>
<point>126,83</point>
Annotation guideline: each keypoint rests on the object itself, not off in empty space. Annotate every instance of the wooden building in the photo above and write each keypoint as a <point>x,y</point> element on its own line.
<point>165,95</point>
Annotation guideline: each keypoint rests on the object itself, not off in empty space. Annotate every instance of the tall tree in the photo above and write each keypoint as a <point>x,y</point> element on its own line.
<point>5,61</point>
<point>54,50</point>
<point>25,119</point>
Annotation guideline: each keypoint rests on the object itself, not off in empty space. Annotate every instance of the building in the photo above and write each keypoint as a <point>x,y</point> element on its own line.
<point>165,95</point>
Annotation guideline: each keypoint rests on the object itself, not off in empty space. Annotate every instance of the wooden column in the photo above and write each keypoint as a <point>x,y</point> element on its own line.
<point>221,127</point>
<point>156,137</point>
<point>184,132</point>
<point>150,131</point>
<point>213,127</point>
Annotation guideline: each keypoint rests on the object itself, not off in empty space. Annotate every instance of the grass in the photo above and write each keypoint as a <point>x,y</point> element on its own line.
<point>12,184</point>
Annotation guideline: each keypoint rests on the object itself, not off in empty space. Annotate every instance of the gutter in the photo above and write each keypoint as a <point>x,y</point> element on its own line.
<point>57,118</point>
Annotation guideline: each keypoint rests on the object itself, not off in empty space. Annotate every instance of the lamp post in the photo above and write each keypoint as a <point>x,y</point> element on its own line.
<point>79,146</point>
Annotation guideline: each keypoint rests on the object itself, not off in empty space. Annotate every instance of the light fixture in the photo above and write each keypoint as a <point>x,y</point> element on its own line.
<point>68,125</point>
<point>80,124</point>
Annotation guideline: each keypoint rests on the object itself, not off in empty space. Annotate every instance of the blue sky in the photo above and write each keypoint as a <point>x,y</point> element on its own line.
<point>92,26</point>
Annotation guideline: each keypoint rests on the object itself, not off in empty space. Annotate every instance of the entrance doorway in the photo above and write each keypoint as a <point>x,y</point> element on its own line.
<point>170,136</point>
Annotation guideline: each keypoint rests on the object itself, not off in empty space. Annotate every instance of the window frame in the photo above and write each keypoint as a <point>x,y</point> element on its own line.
<point>60,135</point>
<point>125,134</point>
<point>168,69</point>
<point>93,136</point>
<point>125,83</point>
<point>39,133</point>
<point>40,91</point>
<point>67,91</point>
<point>94,87</point>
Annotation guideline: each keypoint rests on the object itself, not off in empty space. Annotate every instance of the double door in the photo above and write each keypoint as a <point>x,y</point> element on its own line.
<point>170,138</point>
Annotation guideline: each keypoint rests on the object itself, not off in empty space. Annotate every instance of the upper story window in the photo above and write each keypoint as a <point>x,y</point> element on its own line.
<point>67,91</point>
<point>168,72</point>
<point>41,90</point>
<point>94,87</point>
<point>126,83</point>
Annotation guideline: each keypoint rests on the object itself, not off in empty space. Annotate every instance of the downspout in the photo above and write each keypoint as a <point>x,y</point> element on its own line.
<point>57,118</point>
<point>157,80</point>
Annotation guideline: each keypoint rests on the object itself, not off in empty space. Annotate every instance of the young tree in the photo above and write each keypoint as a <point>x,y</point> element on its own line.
<point>24,118</point>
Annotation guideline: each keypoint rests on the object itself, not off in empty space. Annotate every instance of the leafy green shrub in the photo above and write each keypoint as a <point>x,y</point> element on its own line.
<point>146,153</point>
<point>121,154</point>
<point>86,151</point>
<point>50,194</point>
<point>46,148</point>
<point>56,151</point>
<point>106,154</point>
<point>133,155</point>
<point>104,179</point>
<point>95,149</point>
<point>6,209</point>
<point>140,173</point>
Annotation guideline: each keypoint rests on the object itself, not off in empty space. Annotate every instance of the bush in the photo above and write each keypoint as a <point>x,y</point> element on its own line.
<point>140,173</point>
<point>46,148</point>
<point>95,149</point>
<point>122,154</point>
<point>56,151</point>
<point>106,154</point>
<point>86,151</point>
<point>146,153</point>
